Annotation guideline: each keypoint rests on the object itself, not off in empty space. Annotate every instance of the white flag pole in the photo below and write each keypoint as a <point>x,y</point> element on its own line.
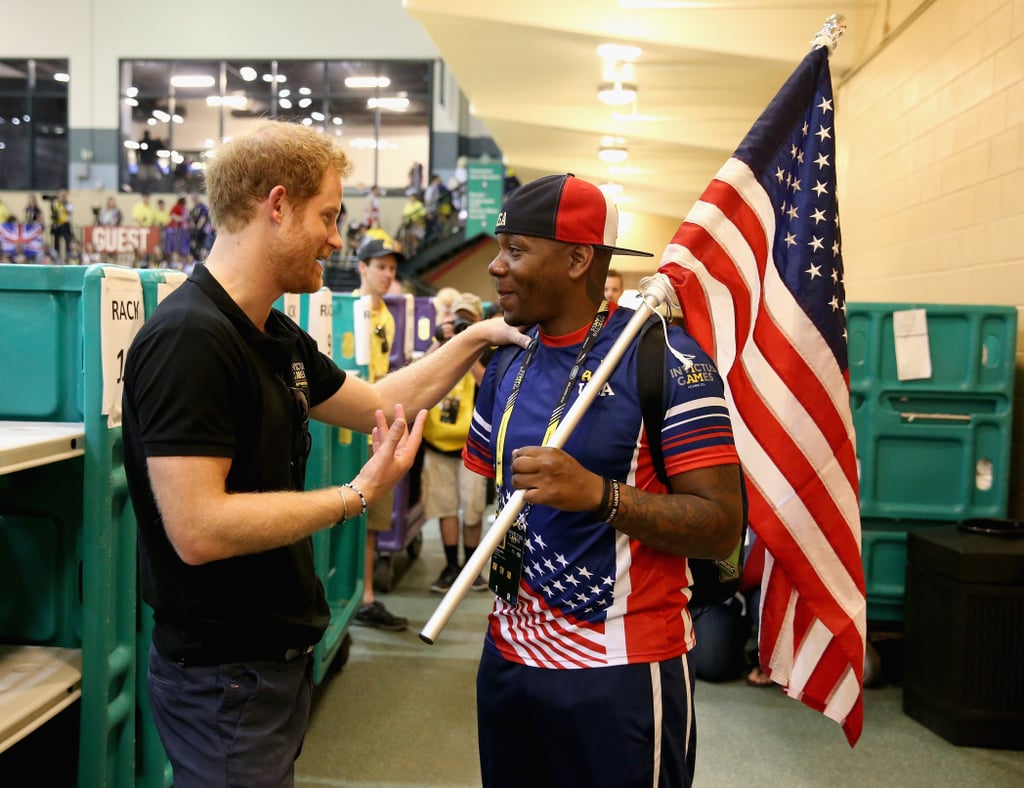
<point>658,298</point>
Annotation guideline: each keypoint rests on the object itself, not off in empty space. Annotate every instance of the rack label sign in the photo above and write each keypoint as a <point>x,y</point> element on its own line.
<point>121,316</point>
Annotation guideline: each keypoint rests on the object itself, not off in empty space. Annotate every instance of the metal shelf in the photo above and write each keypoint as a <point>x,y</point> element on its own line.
<point>28,444</point>
<point>36,683</point>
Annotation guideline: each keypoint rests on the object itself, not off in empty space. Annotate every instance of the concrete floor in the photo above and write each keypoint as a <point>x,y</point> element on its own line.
<point>402,713</point>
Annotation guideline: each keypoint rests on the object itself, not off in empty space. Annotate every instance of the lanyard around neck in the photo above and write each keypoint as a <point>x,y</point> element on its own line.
<point>563,399</point>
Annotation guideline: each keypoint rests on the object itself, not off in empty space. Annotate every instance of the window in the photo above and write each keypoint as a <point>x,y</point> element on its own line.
<point>34,124</point>
<point>379,109</point>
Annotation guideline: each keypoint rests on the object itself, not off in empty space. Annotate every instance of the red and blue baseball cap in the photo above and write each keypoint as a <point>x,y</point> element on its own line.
<point>563,208</point>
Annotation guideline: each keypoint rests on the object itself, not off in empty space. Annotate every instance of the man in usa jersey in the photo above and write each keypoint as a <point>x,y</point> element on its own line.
<point>584,678</point>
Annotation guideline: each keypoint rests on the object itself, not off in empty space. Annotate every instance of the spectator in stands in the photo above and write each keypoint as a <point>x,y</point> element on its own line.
<point>200,229</point>
<point>89,254</point>
<point>74,255</point>
<point>443,300</point>
<point>438,203</point>
<point>177,234</point>
<point>61,213</point>
<point>457,188</point>
<point>378,265</point>
<point>162,214</point>
<point>451,492</point>
<point>144,213</point>
<point>371,213</point>
<point>33,213</point>
<point>414,224</point>
<point>111,214</point>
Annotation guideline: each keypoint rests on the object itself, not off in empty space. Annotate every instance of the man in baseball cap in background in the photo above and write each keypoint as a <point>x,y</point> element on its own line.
<point>590,630</point>
<point>378,266</point>
<point>453,494</point>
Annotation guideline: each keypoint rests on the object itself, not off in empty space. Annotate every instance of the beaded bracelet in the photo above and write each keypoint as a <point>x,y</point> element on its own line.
<point>362,498</point>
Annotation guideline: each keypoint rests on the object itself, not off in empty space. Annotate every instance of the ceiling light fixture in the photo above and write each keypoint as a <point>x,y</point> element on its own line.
<point>367,82</point>
<point>611,189</point>
<point>395,104</point>
<point>619,52</point>
<point>616,93</point>
<point>612,154</point>
<point>193,81</point>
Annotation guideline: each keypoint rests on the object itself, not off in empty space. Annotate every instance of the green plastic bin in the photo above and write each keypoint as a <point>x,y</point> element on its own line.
<point>936,448</point>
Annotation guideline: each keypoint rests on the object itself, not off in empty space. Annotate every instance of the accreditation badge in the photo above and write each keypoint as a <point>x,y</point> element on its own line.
<point>507,562</point>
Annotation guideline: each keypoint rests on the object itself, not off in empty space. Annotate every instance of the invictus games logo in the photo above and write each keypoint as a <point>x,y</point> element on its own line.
<point>501,220</point>
<point>693,373</point>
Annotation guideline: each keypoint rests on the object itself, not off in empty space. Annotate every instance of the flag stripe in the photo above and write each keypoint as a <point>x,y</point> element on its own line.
<point>757,267</point>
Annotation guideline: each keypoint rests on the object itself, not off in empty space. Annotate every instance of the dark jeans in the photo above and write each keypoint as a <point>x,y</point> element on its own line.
<point>238,724</point>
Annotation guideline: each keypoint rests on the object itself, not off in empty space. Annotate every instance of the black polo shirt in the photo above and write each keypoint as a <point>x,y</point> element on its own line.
<point>202,380</point>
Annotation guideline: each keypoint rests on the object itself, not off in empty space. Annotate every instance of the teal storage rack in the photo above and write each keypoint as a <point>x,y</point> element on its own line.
<point>152,769</point>
<point>61,365</point>
<point>934,449</point>
<point>336,455</point>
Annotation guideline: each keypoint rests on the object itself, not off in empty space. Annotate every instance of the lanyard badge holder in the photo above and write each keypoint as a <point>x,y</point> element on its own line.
<point>507,559</point>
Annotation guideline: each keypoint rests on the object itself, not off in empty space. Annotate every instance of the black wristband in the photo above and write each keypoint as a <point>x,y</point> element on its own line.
<point>601,512</point>
<point>613,509</point>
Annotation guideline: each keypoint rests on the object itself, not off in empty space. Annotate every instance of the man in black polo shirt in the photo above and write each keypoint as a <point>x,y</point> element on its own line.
<point>219,388</point>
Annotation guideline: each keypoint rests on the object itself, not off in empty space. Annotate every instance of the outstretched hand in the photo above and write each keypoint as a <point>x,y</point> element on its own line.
<point>498,332</point>
<point>394,452</point>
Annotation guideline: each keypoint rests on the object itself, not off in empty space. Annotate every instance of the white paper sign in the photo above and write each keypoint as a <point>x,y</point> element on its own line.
<point>172,279</point>
<point>410,326</point>
<point>292,305</point>
<point>361,319</point>
<point>910,336</point>
<point>121,317</point>
<point>321,320</point>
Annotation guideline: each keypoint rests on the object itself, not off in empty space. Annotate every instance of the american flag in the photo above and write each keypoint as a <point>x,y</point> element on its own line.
<point>757,267</point>
<point>28,236</point>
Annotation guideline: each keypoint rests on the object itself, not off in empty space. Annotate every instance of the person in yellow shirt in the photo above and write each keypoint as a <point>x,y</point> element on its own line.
<point>414,224</point>
<point>450,489</point>
<point>144,214</point>
<point>378,266</point>
<point>163,214</point>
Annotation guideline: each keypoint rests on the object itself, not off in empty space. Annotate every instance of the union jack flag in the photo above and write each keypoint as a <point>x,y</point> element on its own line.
<point>757,267</point>
<point>28,236</point>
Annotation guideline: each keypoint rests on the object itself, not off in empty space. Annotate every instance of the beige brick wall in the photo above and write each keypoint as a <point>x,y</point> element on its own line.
<point>931,169</point>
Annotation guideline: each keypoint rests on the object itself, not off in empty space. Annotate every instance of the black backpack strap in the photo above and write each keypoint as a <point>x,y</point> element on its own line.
<point>650,373</point>
<point>651,388</point>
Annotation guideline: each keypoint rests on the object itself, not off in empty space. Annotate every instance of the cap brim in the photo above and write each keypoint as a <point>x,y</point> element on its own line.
<point>630,252</point>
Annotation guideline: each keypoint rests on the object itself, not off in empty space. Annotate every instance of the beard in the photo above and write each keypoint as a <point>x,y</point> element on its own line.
<point>294,260</point>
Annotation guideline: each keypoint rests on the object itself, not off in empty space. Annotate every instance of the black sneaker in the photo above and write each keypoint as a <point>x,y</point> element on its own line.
<point>445,579</point>
<point>479,584</point>
<point>376,615</point>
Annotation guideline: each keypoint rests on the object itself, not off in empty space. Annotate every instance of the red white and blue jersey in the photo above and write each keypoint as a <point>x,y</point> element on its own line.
<point>590,595</point>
